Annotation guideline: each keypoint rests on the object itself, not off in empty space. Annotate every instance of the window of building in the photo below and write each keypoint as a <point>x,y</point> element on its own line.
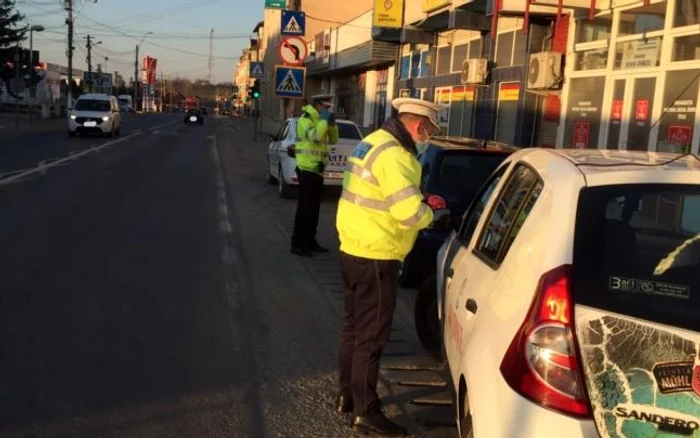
<point>509,214</point>
<point>511,49</point>
<point>597,29</point>
<point>592,59</point>
<point>415,64</point>
<point>687,13</point>
<point>679,111</point>
<point>405,67</point>
<point>584,112</point>
<point>641,53</point>
<point>424,67</point>
<point>507,114</point>
<point>643,19</point>
<point>444,60</point>
<point>443,96</point>
<point>686,48</point>
<point>460,54</point>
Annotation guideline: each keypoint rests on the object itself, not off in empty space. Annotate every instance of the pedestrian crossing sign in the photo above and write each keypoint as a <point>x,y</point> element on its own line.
<point>293,23</point>
<point>289,81</point>
<point>257,70</point>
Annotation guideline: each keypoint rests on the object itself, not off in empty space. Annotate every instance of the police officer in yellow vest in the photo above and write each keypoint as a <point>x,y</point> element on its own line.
<point>316,129</point>
<point>380,212</point>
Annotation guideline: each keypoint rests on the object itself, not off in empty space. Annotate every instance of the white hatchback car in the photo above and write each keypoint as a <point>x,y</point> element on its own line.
<point>570,298</point>
<point>281,162</point>
<point>95,114</point>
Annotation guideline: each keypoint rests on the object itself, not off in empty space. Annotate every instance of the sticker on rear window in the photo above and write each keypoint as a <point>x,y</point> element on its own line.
<point>650,287</point>
<point>676,376</point>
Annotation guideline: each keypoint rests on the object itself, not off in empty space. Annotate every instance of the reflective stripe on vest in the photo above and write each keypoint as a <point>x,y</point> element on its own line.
<point>381,204</point>
<point>310,152</point>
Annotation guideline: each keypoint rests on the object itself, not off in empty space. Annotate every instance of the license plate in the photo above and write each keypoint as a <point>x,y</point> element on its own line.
<point>90,124</point>
<point>333,175</point>
<point>193,119</point>
<point>337,160</point>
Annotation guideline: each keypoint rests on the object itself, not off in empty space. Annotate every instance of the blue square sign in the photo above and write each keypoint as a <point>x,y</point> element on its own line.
<point>293,23</point>
<point>256,70</point>
<point>289,81</point>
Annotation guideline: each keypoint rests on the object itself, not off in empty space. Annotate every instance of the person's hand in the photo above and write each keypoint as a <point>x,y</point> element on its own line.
<point>325,114</point>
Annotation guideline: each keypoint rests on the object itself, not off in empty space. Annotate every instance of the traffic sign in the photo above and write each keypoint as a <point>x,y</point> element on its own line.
<point>293,23</point>
<point>256,70</point>
<point>292,51</point>
<point>275,4</point>
<point>289,81</point>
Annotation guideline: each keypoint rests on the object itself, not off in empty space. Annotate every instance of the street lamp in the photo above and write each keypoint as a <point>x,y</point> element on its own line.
<point>136,72</point>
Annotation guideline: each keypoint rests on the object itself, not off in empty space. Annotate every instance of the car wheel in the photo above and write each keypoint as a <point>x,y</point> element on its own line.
<point>425,314</point>
<point>409,274</point>
<point>465,418</point>
<point>285,190</point>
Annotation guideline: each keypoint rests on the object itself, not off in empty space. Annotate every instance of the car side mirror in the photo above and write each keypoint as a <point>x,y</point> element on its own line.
<point>442,219</point>
<point>272,137</point>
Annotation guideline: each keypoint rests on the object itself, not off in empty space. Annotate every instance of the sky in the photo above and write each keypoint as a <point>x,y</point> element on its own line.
<point>180,39</point>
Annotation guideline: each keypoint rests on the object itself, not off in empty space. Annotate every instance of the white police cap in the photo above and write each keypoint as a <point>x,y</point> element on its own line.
<point>419,107</point>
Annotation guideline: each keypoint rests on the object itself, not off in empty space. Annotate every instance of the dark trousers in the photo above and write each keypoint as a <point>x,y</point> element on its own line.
<point>308,207</point>
<point>371,287</point>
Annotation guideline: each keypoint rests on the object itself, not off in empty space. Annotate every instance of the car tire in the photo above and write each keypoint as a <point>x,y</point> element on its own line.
<point>284,189</point>
<point>409,273</point>
<point>465,421</point>
<point>427,322</point>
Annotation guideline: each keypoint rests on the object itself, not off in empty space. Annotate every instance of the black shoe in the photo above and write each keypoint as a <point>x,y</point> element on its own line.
<point>319,249</point>
<point>344,404</point>
<point>301,252</point>
<point>377,424</point>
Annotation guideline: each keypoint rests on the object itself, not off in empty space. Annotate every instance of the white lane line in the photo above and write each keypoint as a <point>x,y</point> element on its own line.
<point>163,124</point>
<point>42,167</point>
<point>229,257</point>
<point>157,131</point>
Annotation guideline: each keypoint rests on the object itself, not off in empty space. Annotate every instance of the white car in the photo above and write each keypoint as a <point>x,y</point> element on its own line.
<point>281,162</point>
<point>570,298</point>
<point>95,114</point>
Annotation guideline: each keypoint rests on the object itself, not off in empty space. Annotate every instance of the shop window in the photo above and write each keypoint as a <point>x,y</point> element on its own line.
<point>594,59</point>
<point>405,67</point>
<point>679,112</point>
<point>642,53</point>
<point>643,19</point>
<point>640,116</point>
<point>686,48</point>
<point>415,64</point>
<point>583,113</point>
<point>459,56</point>
<point>616,109</point>
<point>594,30</point>
<point>443,96</point>
<point>444,59</point>
<point>687,13</point>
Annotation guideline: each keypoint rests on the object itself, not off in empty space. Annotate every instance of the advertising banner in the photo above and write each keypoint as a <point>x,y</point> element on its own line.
<point>388,13</point>
<point>149,70</point>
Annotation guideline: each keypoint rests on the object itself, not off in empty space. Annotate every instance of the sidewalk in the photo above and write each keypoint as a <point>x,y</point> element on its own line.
<point>8,128</point>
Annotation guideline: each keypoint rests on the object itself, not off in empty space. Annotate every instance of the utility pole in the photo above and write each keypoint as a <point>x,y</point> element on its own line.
<point>162,91</point>
<point>89,62</point>
<point>17,63</point>
<point>136,80</point>
<point>211,56</point>
<point>69,53</point>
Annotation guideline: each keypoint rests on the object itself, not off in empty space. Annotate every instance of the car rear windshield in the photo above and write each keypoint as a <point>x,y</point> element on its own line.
<point>462,173</point>
<point>637,252</point>
<point>348,131</point>
<point>92,105</point>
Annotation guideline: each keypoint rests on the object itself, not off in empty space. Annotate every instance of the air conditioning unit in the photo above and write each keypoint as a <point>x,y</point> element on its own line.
<point>545,70</point>
<point>474,71</point>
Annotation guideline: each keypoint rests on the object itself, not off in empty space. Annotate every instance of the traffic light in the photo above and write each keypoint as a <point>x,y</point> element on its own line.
<point>256,89</point>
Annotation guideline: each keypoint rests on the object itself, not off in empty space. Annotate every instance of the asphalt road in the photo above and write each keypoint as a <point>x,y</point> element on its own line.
<point>147,290</point>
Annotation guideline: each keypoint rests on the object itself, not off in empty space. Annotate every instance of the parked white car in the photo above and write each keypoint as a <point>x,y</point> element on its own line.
<point>570,298</point>
<point>95,114</point>
<point>281,162</point>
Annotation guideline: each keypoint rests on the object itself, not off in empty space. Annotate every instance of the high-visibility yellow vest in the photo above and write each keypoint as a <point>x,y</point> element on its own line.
<point>313,137</point>
<point>380,210</point>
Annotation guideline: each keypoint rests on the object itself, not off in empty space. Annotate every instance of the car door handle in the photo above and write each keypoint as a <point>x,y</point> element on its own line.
<point>471,305</point>
<point>449,273</point>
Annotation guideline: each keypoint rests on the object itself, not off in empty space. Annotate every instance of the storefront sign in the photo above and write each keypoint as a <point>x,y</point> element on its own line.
<point>680,134</point>
<point>641,54</point>
<point>509,91</point>
<point>584,107</point>
<point>582,133</point>
<point>387,13</point>
<point>616,112</point>
<point>462,93</point>
<point>431,5</point>
<point>642,110</point>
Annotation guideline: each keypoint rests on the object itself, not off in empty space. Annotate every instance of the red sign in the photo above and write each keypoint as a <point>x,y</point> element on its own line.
<point>696,379</point>
<point>642,110</point>
<point>616,113</point>
<point>552,108</point>
<point>680,134</point>
<point>149,70</point>
<point>582,133</point>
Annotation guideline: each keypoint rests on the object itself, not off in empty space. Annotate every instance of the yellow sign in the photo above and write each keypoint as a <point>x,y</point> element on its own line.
<point>509,91</point>
<point>462,93</point>
<point>431,5</point>
<point>388,13</point>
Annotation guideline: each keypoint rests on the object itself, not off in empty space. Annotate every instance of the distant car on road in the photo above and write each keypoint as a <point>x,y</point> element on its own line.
<point>280,156</point>
<point>569,299</point>
<point>95,114</point>
<point>194,116</point>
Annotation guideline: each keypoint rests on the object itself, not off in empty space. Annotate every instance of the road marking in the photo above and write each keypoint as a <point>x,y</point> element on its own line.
<point>44,166</point>
<point>157,131</point>
<point>163,124</point>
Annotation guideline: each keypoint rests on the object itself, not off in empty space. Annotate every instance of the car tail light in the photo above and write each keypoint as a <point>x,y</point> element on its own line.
<point>436,202</point>
<point>291,151</point>
<point>541,363</point>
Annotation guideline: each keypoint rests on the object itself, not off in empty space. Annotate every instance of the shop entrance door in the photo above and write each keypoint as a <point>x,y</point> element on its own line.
<point>631,105</point>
